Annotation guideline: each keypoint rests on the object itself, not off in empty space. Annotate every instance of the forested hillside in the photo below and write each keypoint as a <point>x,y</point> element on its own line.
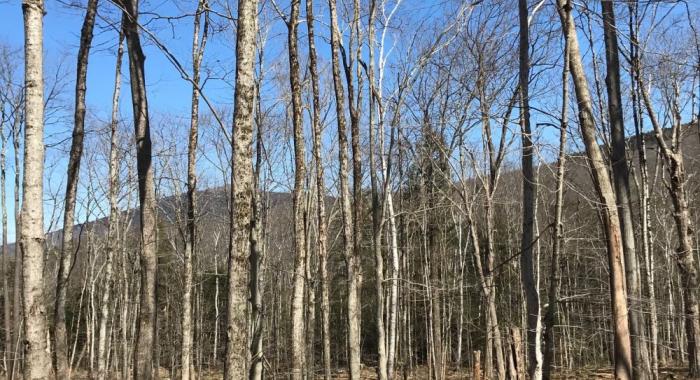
<point>350,189</point>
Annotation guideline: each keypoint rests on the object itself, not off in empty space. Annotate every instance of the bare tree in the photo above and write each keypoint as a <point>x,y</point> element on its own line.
<point>527,263</point>
<point>558,242</point>
<point>60,335</point>
<point>622,190</point>
<point>198,46</point>
<point>670,149</point>
<point>145,344</point>
<point>37,358</point>
<point>603,186</point>
<point>298,331</point>
<point>112,247</point>
<point>241,193</point>
<point>320,194</point>
<point>350,254</point>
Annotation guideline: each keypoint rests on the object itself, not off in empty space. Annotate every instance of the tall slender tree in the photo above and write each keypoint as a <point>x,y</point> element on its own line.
<point>350,254</point>
<point>298,325</point>
<point>60,335</point>
<point>620,177</point>
<point>527,262</point>
<point>558,242</point>
<point>112,229</point>
<point>145,344</point>
<point>37,363</point>
<point>321,240</point>
<point>198,45</point>
<point>241,193</point>
<point>606,194</point>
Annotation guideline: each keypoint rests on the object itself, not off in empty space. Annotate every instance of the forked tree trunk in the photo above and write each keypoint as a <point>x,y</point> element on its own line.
<point>298,325</point>
<point>37,363</point>
<point>320,194</point>
<point>241,194</point>
<point>351,259</point>
<point>112,246</point>
<point>620,170</point>
<point>604,188</point>
<point>60,335</point>
<point>145,343</point>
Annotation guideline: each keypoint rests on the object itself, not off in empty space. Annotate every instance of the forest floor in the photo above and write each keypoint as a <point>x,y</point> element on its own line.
<point>420,373</point>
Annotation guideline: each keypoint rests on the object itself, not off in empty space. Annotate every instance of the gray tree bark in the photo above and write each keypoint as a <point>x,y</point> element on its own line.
<point>320,194</point>
<point>527,262</point>
<point>558,243</point>
<point>620,170</point>
<point>145,343</point>
<point>60,335</point>
<point>298,325</point>
<point>351,259</point>
<point>672,154</point>
<point>191,238</point>
<point>112,246</point>
<point>604,188</point>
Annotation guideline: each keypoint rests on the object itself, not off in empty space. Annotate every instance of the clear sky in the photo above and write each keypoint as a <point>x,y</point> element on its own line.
<point>168,93</point>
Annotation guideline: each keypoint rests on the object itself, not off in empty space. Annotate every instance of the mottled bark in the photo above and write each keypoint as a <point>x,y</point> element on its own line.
<point>241,194</point>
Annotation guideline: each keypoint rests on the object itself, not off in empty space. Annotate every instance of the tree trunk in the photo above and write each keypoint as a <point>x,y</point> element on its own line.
<point>640,354</point>
<point>643,190</point>
<point>320,194</point>
<point>298,331</point>
<point>37,358</point>
<point>17,288</point>
<point>257,241</point>
<point>145,344</point>
<point>60,335</point>
<point>377,208</point>
<point>611,223</point>
<point>191,237</point>
<point>558,243</point>
<point>527,263</point>
<point>351,259</point>
<point>7,306</point>
<point>102,362</point>
<point>241,193</point>
<point>673,157</point>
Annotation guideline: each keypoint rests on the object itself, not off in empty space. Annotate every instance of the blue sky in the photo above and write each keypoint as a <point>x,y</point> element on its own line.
<point>168,93</point>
